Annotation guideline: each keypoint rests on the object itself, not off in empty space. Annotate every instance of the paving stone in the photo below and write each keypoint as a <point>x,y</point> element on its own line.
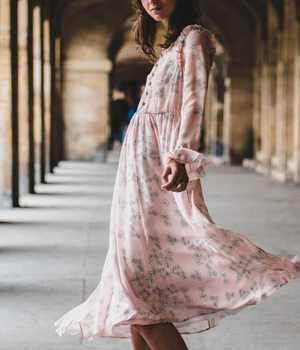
<point>52,252</point>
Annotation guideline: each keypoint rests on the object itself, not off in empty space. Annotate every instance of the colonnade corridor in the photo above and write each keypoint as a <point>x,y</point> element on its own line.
<point>65,67</point>
<point>53,250</point>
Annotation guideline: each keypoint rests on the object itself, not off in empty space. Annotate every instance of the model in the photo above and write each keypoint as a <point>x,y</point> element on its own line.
<point>170,269</point>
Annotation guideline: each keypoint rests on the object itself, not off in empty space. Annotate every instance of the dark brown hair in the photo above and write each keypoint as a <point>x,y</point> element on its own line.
<point>145,27</point>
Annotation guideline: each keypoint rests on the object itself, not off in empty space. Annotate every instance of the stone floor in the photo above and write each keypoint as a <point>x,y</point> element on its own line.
<point>52,251</point>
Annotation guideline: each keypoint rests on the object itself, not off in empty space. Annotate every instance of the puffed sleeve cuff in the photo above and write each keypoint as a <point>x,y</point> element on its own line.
<point>195,162</point>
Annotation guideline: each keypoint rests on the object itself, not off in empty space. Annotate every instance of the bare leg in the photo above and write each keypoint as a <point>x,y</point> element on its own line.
<point>162,336</point>
<point>138,341</point>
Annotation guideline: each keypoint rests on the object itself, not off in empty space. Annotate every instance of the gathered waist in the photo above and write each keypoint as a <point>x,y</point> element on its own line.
<point>156,114</point>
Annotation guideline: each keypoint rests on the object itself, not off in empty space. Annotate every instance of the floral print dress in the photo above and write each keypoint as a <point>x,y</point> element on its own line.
<point>168,261</point>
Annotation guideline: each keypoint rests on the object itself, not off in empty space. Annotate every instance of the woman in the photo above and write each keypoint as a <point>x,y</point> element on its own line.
<point>170,270</point>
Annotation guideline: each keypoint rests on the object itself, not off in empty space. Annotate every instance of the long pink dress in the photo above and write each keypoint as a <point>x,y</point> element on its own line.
<point>167,260</point>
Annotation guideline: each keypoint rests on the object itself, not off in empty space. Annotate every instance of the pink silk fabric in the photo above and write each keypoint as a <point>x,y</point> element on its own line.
<point>168,261</point>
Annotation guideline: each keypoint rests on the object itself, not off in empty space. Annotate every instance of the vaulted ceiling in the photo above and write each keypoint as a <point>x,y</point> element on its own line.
<point>237,23</point>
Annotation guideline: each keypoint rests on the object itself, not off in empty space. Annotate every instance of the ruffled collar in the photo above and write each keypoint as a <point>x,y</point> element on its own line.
<point>181,37</point>
<point>179,42</point>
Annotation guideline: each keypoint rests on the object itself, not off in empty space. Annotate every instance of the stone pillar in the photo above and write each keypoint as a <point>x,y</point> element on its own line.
<point>279,160</point>
<point>241,109</point>
<point>227,121</point>
<point>5,105</point>
<point>31,119</point>
<point>257,114</point>
<point>278,90</point>
<point>297,105</point>
<point>58,97</point>
<point>46,90</point>
<point>212,117</point>
<point>37,87</point>
<point>272,109</point>
<point>86,91</point>
<point>53,116</point>
<point>290,58</point>
<point>217,121</point>
<point>23,94</point>
<point>273,52</point>
<point>285,162</point>
<point>267,110</point>
<point>15,120</point>
<point>262,118</point>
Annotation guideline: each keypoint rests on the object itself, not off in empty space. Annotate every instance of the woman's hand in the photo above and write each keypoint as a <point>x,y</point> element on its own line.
<point>174,176</point>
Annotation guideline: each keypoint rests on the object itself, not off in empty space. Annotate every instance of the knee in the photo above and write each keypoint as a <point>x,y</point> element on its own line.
<point>141,328</point>
<point>135,328</point>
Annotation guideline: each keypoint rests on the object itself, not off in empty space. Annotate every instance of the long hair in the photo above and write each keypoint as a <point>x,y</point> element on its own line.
<point>145,27</point>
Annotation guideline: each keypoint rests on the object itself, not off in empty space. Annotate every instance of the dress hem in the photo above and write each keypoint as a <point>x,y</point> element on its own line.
<point>212,319</point>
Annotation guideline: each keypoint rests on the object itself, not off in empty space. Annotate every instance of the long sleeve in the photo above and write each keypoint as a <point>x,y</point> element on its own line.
<point>197,56</point>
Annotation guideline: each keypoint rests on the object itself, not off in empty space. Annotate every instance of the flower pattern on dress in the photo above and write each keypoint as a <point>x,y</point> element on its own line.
<point>168,261</point>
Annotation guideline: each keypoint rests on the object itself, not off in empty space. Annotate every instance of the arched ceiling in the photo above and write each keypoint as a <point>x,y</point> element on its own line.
<point>226,16</point>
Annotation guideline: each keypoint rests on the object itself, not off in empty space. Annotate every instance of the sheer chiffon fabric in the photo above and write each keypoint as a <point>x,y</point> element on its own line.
<point>168,261</point>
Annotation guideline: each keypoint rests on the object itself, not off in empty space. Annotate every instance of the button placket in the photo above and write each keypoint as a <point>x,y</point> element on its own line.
<point>149,82</point>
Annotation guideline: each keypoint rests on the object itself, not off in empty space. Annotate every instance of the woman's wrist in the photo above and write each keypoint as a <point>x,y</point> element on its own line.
<point>174,161</point>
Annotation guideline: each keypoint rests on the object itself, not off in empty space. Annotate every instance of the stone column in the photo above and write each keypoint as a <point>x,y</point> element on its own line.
<point>211,117</point>
<point>208,112</point>
<point>215,123</point>
<point>86,91</point>
<point>43,86</point>
<point>5,105</point>
<point>297,107</point>
<point>46,91</point>
<point>266,119</point>
<point>55,61</point>
<point>285,162</point>
<point>241,109</point>
<point>257,114</point>
<point>23,94</point>
<point>31,119</point>
<point>279,160</point>
<point>58,97</point>
<point>262,165</point>
<point>290,58</point>
<point>37,87</point>
<point>262,109</point>
<point>15,120</point>
<point>273,52</point>
<point>227,121</point>
<point>297,121</point>
<point>272,109</point>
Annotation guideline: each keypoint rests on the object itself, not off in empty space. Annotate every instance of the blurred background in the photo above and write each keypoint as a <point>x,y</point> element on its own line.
<point>61,60</point>
<point>70,80</point>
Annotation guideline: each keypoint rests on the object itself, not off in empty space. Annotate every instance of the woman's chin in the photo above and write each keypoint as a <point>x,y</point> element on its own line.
<point>158,18</point>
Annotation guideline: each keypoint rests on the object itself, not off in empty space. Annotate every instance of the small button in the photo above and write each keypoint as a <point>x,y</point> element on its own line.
<point>143,104</point>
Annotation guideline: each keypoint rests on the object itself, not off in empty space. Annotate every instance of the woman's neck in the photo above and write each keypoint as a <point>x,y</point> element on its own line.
<point>165,25</point>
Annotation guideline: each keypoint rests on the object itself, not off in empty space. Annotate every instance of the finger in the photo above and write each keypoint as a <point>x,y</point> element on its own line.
<point>165,171</point>
<point>165,175</point>
<point>171,180</point>
<point>180,178</point>
<point>181,187</point>
<point>176,178</point>
<point>171,183</point>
